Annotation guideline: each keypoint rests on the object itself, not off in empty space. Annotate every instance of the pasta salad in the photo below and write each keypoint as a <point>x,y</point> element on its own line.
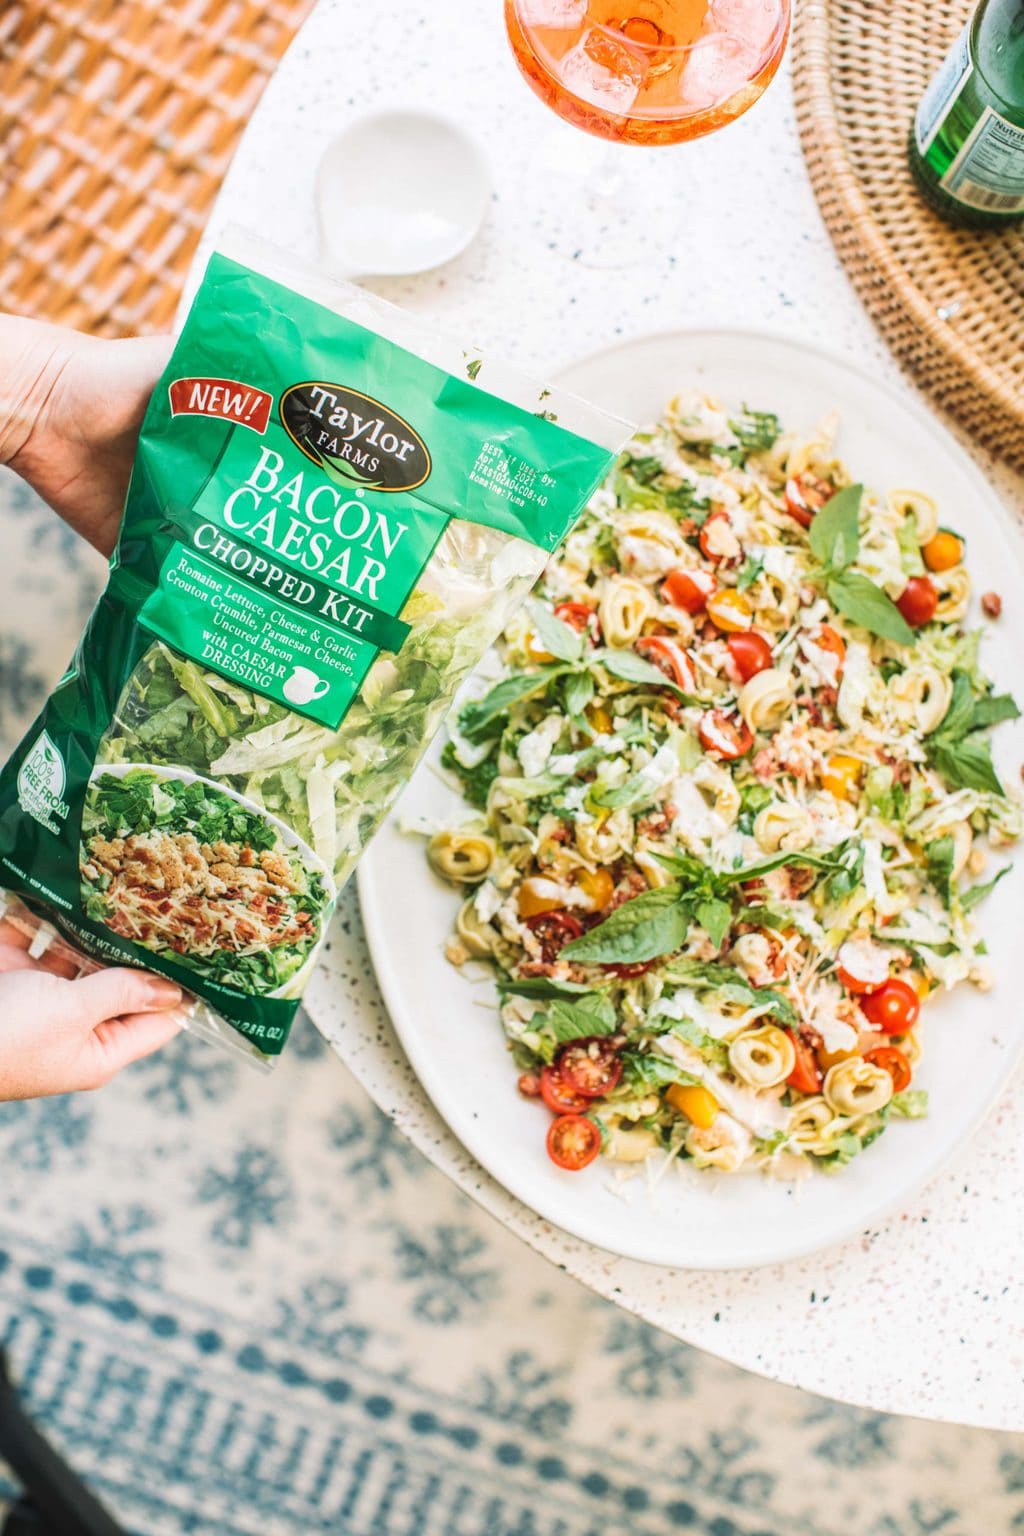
<point>734,804</point>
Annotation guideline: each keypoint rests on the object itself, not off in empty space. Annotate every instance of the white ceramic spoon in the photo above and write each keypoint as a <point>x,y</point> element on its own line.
<point>399,192</point>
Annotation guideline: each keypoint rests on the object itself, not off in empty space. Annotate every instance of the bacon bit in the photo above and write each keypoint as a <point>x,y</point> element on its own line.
<point>798,882</point>
<point>765,764</point>
<point>991,605</point>
<point>810,708</point>
<point>828,696</point>
<point>529,1085</point>
<point>901,769</point>
<point>807,595</point>
<point>656,825</point>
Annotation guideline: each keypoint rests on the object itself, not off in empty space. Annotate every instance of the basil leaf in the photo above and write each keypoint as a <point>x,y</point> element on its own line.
<point>541,987</point>
<point>834,534</point>
<point>560,640</point>
<point>653,924</point>
<point>590,1014</point>
<point>632,668</point>
<point>956,722</point>
<point>715,917</point>
<point>939,856</point>
<point>478,719</point>
<point>777,861</point>
<point>579,690</point>
<point>992,709</point>
<point>690,871</point>
<point>976,893</point>
<point>967,764</point>
<point>749,572</point>
<point>865,604</point>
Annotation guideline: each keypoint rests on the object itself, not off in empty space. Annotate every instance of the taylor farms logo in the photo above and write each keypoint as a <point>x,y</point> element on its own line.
<point>41,782</point>
<point>354,438</point>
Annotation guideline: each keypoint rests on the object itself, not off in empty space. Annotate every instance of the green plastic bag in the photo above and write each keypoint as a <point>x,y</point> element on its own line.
<point>331,517</point>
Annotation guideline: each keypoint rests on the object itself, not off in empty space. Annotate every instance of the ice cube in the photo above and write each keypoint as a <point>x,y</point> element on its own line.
<point>552,13</point>
<point>603,72</point>
<point>733,46</point>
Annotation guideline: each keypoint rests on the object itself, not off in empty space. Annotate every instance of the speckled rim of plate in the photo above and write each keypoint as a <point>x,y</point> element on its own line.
<point>372,884</point>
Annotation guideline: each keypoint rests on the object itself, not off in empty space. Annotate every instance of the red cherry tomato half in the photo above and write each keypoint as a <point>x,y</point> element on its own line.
<point>824,638</point>
<point>688,589</point>
<point>554,930</point>
<point>918,601</point>
<point>805,495</point>
<point>894,1062</point>
<point>590,1066</point>
<point>727,736</point>
<point>894,1008</point>
<point>828,639</point>
<point>669,657</point>
<point>580,617</point>
<point>751,653</point>
<point>856,984</point>
<point>861,968</point>
<point>713,534</point>
<point>806,1075</point>
<point>573,1142</point>
<point>627,969</point>
<point>558,1096</point>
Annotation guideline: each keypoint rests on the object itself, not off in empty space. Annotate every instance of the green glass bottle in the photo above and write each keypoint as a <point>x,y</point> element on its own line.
<point>967,138</point>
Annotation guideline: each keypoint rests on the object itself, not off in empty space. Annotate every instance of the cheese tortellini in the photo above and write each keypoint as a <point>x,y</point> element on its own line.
<point>765,699</point>
<point>762,1057</point>
<point>857,1087</point>
<point>462,857</point>
<point>624,608</point>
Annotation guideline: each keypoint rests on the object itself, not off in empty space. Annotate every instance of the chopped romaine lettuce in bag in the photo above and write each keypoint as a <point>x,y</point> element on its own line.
<point>331,517</point>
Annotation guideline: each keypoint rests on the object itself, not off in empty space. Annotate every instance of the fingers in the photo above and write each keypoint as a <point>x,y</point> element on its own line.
<point>13,957</point>
<point>119,1042</point>
<point>57,957</point>
<point>115,993</point>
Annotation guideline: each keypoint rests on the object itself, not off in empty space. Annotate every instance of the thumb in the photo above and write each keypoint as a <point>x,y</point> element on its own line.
<point>111,994</point>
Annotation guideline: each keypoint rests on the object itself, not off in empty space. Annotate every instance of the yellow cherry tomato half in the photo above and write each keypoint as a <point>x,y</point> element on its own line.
<point>598,886</point>
<point>598,719</point>
<point>842,775</point>
<point>537,895</point>
<point>730,611</point>
<point>697,1103</point>
<point>534,650</point>
<point>943,552</point>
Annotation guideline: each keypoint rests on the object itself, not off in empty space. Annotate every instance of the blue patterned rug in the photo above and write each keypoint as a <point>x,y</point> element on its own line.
<point>245,1306</point>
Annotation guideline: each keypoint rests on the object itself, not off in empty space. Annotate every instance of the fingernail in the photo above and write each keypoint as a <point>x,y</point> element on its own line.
<point>163,993</point>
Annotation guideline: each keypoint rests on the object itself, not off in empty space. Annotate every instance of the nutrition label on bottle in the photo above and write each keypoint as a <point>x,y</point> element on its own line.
<point>988,173</point>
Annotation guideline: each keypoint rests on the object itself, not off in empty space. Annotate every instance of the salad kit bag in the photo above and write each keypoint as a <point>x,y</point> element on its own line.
<point>331,516</point>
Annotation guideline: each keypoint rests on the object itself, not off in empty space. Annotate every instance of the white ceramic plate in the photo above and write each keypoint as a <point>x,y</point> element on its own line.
<point>447,1023</point>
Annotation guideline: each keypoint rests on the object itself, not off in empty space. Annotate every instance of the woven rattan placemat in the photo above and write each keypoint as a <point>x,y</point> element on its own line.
<point>118,119</point>
<point>949,302</point>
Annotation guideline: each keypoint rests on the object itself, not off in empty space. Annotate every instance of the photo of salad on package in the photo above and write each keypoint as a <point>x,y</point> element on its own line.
<point>331,516</point>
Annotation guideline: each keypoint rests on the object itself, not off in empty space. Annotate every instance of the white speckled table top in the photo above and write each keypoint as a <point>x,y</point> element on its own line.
<point>922,1316</point>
